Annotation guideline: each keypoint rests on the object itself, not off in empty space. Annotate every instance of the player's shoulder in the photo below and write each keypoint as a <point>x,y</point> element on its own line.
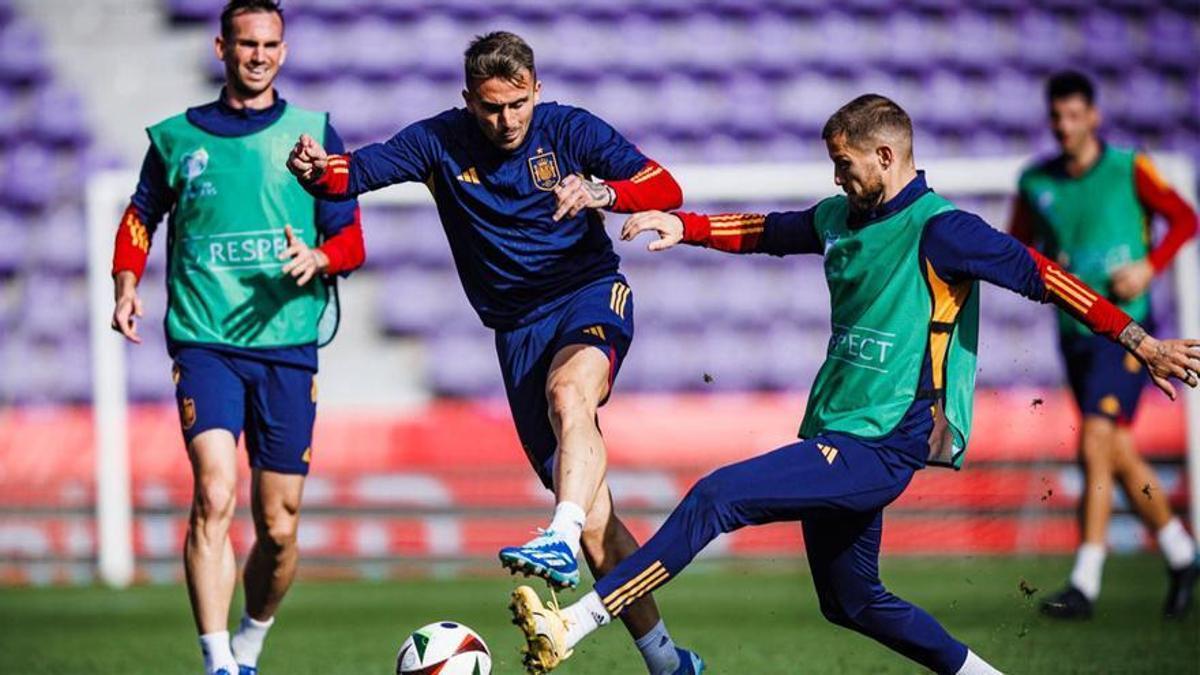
<point>1042,165</point>
<point>555,115</point>
<point>452,123</point>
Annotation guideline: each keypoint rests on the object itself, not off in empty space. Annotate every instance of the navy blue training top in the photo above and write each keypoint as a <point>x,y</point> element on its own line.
<point>515,262</point>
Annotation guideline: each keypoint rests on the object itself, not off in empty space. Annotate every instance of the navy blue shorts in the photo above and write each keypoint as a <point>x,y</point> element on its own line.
<point>600,315</point>
<point>1107,380</point>
<point>275,404</point>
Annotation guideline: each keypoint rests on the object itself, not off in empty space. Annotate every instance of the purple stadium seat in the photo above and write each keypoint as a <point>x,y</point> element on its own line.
<point>465,365</point>
<point>908,44</point>
<point>25,168</point>
<point>377,51</point>
<point>316,50</point>
<point>424,302</point>
<point>194,10</point>
<point>807,101</point>
<point>1016,102</point>
<point>53,306</point>
<point>14,233</point>
<point>1048,41</point>
<point>1173,38</point>
<point>22,55</point>
<point>60,241</point>
<point>1109,40</point>
<point>59,118</point>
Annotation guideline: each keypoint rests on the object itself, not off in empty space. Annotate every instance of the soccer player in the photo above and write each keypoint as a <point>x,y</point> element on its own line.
<point>895,392</point>
<point>1089,209</point>
<point>244,301</point>
<point>510,177</point>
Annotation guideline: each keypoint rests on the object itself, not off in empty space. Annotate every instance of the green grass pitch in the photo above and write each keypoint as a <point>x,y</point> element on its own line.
<point>749,618</point>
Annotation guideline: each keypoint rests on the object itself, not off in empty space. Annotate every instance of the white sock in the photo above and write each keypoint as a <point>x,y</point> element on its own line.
<point>217,655</point>
<point>1176,545</point>
<point>568,523</point>
<point>583,617</point>
<point>976,666</point>
<point>1089,563</point>
<point>658,650</point>
<point>247,642</point>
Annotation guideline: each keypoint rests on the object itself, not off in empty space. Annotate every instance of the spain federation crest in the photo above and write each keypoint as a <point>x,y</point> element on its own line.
<point>187,412</point>
<point>544,169</point>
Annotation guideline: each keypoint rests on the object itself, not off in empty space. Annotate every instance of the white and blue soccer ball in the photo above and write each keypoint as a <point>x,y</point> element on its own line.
<point>444,648</point>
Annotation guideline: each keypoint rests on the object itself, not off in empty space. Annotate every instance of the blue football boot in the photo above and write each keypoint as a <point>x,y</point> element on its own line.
<point>690,663</point>
<point>247,670</point>
<point>546,556</point>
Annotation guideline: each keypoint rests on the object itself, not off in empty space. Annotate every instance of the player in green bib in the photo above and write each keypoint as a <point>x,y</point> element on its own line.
<point>250,297</point>
<point>1089,209</point>
<point>903,266</point>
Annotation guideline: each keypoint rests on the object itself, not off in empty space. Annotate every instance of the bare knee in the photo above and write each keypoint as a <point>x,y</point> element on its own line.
<point>276,527</point>
<point>212,506</point>
<point>567,401</point>
<point>1097,445</point>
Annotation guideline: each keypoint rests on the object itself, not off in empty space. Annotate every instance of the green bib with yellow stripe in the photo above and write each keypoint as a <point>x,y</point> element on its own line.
<point>887,314</point>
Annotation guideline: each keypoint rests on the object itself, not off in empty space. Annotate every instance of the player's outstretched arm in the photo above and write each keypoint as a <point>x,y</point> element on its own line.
<point>1164,359</point>
<point>784,233</point>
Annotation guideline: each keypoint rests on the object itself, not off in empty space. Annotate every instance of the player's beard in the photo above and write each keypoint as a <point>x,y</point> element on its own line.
<point>870,196</point>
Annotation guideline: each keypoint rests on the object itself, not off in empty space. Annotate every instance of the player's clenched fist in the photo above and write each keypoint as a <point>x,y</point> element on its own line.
<point>668,226</point>
<point>574,194</point>
<point>307,159</point>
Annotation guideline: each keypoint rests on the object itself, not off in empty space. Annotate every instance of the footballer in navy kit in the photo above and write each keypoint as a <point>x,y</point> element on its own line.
<point>515,185</point>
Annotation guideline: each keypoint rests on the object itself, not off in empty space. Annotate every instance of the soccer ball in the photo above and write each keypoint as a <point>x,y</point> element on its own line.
<point>444,648</point>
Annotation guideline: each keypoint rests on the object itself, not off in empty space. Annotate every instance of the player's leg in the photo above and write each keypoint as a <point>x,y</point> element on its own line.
<point>843,555</point>
<point>279,437</point>
<point>210,398</point>
<point>606,541</point>
<point>1089,368</point>
<point>574,354</point>
<point>800,479</point>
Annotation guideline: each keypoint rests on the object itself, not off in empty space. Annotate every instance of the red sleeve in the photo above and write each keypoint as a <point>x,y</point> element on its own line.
<point>345,249</point>
<point>132,246</point>
<point>1157,196</point>
<point>651,189</point>
<point>1079,300</point>
<point>335,180</point>
<point>730,232</point>
<point>1021,224</point>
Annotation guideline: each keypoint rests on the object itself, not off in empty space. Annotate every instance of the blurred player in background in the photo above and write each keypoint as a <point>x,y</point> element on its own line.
<point>245,299</point>
<point>511,179</point>
<point>896,391</point>
<point>1089,209</point>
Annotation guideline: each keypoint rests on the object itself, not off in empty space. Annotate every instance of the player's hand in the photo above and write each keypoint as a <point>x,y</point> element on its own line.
<point>308,159</point>
<point>1166,359</point>
<point>668,226</point>
<point>575,194</point>
<point>128,306</point>
<point>1132,280</point>
<point>304,262</point>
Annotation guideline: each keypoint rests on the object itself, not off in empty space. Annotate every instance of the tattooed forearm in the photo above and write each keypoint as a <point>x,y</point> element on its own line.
<point>1132,336</point>
<point>601,193</point>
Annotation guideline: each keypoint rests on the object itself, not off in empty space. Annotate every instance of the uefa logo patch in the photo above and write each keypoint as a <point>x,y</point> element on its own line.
<point>544,169</point>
